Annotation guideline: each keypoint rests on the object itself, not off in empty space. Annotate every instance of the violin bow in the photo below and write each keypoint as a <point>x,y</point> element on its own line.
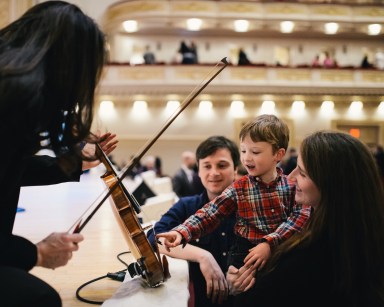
<point>223,63</point>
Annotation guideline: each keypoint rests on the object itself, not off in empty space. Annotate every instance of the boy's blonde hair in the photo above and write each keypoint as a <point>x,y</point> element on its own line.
<point>267,128</point>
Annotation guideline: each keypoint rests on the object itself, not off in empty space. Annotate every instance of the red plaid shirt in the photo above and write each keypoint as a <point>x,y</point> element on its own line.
<point>264,211</point>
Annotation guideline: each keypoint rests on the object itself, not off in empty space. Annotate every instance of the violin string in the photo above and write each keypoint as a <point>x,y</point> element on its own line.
<point>82,221</point>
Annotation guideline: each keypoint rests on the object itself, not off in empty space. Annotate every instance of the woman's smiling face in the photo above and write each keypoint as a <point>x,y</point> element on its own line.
<point>307,192</point>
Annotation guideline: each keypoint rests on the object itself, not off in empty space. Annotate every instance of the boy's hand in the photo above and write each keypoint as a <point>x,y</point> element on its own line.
<point>171,239</point>
<point>258,256</point>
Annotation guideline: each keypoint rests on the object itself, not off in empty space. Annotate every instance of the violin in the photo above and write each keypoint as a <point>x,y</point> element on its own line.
<point>125,207</point>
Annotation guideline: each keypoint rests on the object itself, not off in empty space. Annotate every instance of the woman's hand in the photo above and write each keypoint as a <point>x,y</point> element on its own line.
<point>240,280</point>
<point>107,143</point>
<point>171,239</point>
<point>56,249</point>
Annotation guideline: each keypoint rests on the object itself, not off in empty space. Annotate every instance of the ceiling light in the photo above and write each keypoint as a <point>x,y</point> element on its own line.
<point>268,107</point>
<point>241,25</point>
<point>205,106</point>
<point>130,26</point>
<point>172,105</point>
<point>237,108</point>
<point>380,109</point>
<point>327,107</point>
<point>298,106</point>
<point>140,106</point>
<point>374,29</point>
<point>331,28</point>
<point>287,26</point>
<point>355,108</point>
<point>194,24</point>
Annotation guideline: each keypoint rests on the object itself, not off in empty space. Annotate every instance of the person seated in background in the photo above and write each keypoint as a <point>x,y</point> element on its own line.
<point>290,163</point>
<point>329,61</point>
<point>185,182</point>
<point>217,160</point>
<point>331,260</point>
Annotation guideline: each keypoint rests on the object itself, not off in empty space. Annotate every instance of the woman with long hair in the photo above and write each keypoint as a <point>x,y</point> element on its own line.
<point>51,60</point>
<point>338,258</point>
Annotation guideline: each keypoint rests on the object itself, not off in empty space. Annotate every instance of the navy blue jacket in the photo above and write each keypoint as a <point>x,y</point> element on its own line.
<point>217,243</point>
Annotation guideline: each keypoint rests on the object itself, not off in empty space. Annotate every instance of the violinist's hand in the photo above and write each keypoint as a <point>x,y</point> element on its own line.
<point>217,286</point>
<point>56,249</point>
<point>258,256</point>
<point>240,280</point>
<point>171,239</point>
<point>107,143</point>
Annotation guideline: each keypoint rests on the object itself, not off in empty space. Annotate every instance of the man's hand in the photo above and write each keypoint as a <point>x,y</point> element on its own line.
<point>56,249</point>
<point>240,280</point>
<point>258,256</point>
<point>217,287</point>
<point>171,239</point>
<point>107,143</point>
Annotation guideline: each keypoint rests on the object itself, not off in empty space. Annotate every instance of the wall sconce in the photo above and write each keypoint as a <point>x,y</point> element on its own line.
<point>331,28</point>
<point>374,29</point>
<point>172,106</point>
<point>130,26</point>
<point>194,24</point>
<point>355,108</point>
<point>241,25</point>
<point>287,26</point>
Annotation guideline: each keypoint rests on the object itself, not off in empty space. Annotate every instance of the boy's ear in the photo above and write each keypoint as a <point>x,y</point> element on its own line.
<point>280,153</point>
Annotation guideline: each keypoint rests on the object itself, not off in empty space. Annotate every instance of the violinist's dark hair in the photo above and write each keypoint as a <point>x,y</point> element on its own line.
<point>350,214</point>
<point>214,143</point>
<point>51,60</point>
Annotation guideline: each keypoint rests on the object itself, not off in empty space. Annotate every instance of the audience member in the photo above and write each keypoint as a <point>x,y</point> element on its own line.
<point>184,182</point>
<point>266,212</point>
<point>316,61</point>
<point>149,56</point>
<point>329,62</point>
<point>51,59</point>
<point>217,160</point>
<point>290,163</point>
<point>188,56</point>
<point>193,48</point>
<point>331,261</point>
<point>243,58</point>
<point>365,63</point>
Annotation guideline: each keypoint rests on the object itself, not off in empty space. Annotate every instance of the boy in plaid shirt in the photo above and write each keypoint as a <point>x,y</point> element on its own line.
<point>264,200</point>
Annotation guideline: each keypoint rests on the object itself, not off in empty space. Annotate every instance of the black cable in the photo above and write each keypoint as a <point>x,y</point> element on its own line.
<point>118,276</point>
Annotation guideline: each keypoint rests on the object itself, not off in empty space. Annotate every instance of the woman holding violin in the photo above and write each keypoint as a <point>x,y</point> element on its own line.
<point>51,60</point>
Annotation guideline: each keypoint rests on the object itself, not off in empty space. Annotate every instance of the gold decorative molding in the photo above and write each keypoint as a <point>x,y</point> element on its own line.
<point>238,73</point>
<point>293,75</point>
<point>331,10</point>
<point>280,8</point>
<point>140,73</point>
<point>372,76</point>
<point>340,76</point>
<point>369,11</point>
<point>191,73</point>
<point>124,10</point>
<point>240,8</point>
<point>192,6</point>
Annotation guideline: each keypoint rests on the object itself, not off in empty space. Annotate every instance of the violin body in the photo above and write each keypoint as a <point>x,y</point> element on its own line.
<point>149,264</point>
